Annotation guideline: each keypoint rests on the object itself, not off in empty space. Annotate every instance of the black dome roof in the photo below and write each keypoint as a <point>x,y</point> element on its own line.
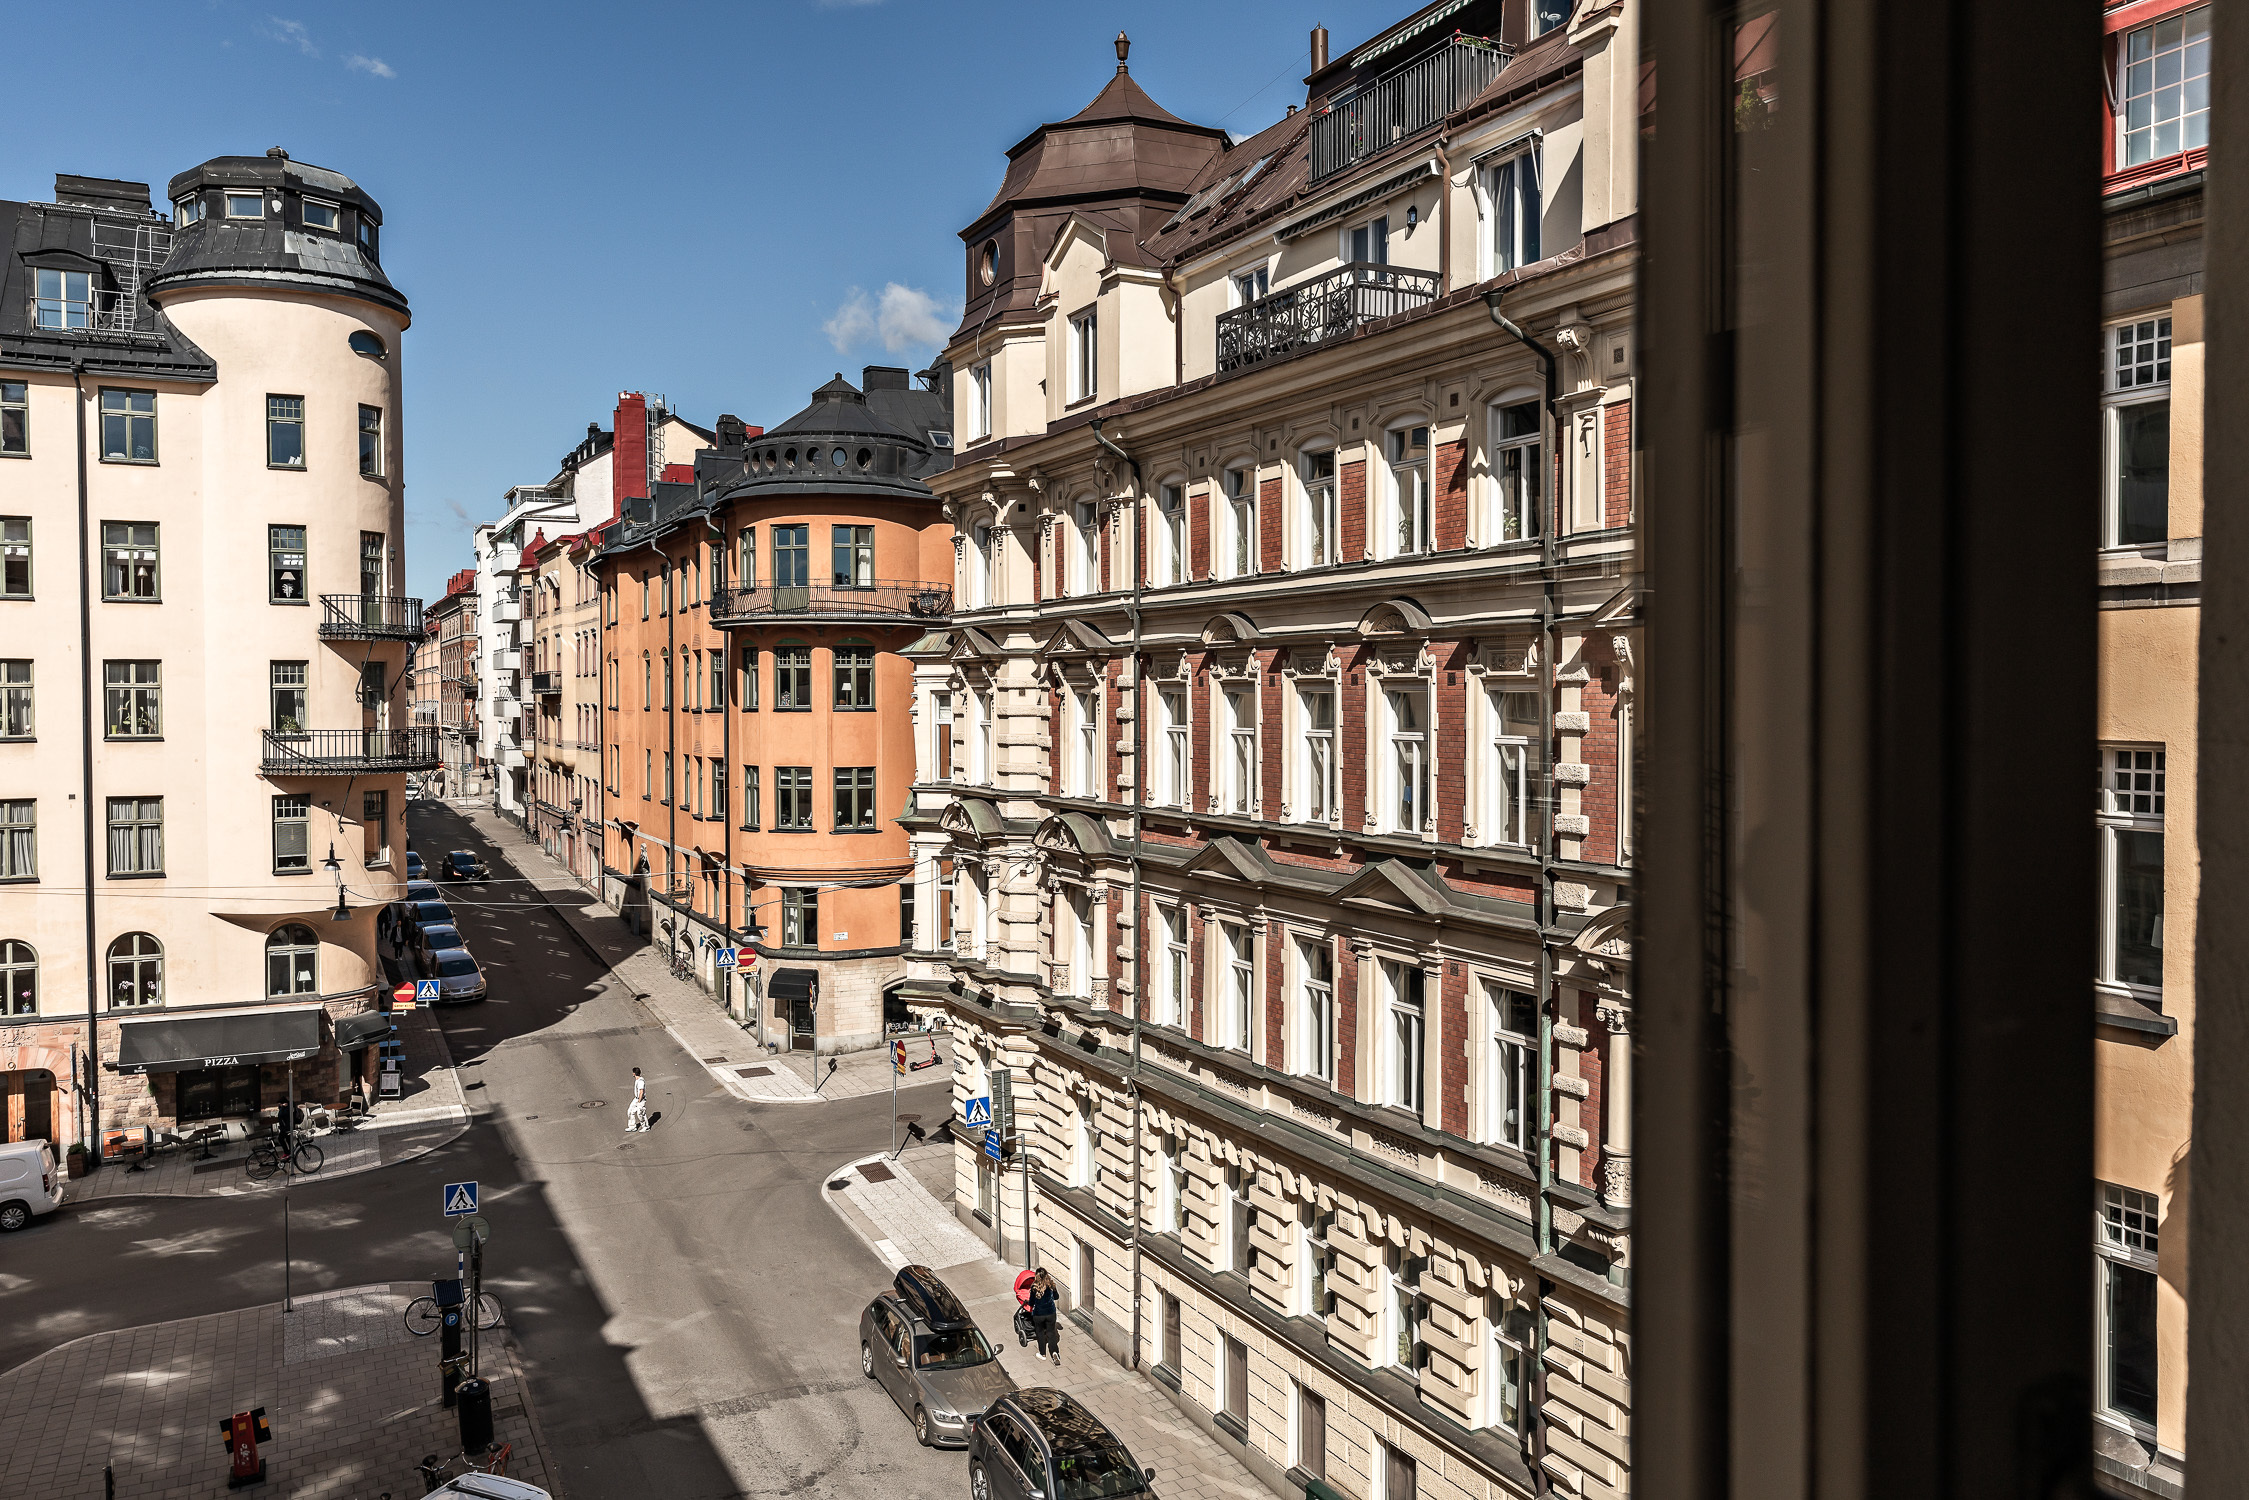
<point>843,440</point>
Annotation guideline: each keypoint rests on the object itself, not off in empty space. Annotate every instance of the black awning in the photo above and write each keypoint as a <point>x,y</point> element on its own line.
<point>793,984</point>
<point>220,1041</point>
<point>358,1031</point>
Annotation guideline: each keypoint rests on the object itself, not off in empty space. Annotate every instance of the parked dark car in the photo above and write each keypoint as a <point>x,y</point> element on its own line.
<point>421,914</point>
<point>423,890</point>
<point>413,865</point>
<point>918,1342</point>
<point>1042,1445</point>
<point>431,941</point>
<point>460,864</point>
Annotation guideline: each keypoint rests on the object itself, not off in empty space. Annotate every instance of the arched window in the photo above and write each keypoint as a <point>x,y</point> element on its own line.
<point>292,961</point>
<point>19,977</point>
<point>136,971</point>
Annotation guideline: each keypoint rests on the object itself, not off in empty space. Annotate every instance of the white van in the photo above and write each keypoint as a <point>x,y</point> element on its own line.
<point>30,1185</point>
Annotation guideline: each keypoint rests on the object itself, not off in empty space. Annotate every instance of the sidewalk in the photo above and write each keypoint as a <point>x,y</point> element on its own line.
<point>352,1398</point>
<point>894,1211</point>
<point>734,1058</point>
<point>432,1111</point>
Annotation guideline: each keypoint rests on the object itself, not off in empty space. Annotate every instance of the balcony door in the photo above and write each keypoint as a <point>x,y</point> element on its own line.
<point>372,579</point>
<point>792,567</point>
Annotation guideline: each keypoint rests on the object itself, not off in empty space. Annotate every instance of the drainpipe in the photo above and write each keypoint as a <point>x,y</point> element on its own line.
<point>1139,925</point>
<point>1549,637</point>
<point>91,1118</point>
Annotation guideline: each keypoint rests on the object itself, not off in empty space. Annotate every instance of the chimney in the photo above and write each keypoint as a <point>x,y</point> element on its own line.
<point>628,460</point>
<point>883,378</point>
<point>1319,48</point>
<point>102,192</point>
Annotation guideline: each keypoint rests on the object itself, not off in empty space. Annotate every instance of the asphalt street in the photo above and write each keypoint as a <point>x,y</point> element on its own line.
<point>686,1304</point>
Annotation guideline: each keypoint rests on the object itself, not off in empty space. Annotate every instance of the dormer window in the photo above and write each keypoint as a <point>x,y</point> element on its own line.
<point>1085,356</point>
<point>2163,87</point>
<point>366,234</point>
<point>64,299</point>
<point>988,262</point>
<point>245,205</point>
<point>190,211</point>
<point>320,215</point>
<point>1511,198</point>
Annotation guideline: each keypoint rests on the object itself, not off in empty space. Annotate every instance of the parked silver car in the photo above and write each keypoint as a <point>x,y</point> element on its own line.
<point>459,980</point>
<point>921,1345</point>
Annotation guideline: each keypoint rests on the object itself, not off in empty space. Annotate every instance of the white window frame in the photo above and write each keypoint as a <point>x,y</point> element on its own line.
<point>1168,527</point>
<point>982,703</point>
<point>1510,789</point>
<point>1171,1173</point>
<point>1517,512</point>
<point>2131,802</point>
<point>1510,194</point>
<point>1240,945</point>
<point>1511,1058</point>
<point>259,198</point>
<point>1318,781</point>
<point>1368,240</point>
<point>1085,526</point>
<point>1237,555</point>
<point>2136,359</point>
<point>1315,1009</point>
<point>1321,540</point>
<point>980,398</point>
<point>1240,795</point>
<point>2126,1225</point>
<point>1498,1346</point>
<point>1085,355</point>
<point>335,212</point>
<point>1250,284</point>
<point>188,210</point>
<point>1409,482</point>
<point>1081,1144</point>
<point>1178,762</point>
<point>1085,743</point>
<point>1405,1038</point>
<point>1178,970</point>
<point>1314,1260</point>
<point>2136,80</point>
<point>1408,758</point>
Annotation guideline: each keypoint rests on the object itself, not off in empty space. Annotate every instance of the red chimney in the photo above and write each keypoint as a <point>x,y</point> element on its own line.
<point>629,461</point>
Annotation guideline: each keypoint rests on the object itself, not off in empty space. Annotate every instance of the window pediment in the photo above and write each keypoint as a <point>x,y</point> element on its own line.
<point>1396,617</point>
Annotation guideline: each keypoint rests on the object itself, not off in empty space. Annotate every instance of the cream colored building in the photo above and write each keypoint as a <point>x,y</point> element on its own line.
<point>1277,763</point>
<point>207,726</point>
<point>2152,410</point>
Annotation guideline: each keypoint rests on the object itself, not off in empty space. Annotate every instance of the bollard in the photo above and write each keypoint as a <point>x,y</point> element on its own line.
<point>476,1415</point>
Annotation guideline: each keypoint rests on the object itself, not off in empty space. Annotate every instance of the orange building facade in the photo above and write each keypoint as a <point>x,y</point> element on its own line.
<point>759,713</point>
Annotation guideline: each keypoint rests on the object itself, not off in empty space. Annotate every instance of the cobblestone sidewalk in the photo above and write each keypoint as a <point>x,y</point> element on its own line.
<point>433,1112</point>
<point>733,1058</point>
<point>352,1398</point>
<point>905,1224</point>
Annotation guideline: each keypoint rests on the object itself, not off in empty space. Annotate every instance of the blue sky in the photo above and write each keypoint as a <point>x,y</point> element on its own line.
<point>681,198</point>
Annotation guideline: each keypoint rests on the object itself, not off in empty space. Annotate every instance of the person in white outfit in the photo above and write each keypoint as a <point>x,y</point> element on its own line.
<point>636,1118</point>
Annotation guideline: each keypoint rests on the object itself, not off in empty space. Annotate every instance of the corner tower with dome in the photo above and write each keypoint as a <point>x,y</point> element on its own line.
<point>205,743</point>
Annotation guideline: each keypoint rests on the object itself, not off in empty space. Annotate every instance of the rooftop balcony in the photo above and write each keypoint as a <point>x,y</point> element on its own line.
<point>1403,103</point>
<point>1319,311</point>
<point>370,617</point>
<point>884,601</point>
<point>349,752</point>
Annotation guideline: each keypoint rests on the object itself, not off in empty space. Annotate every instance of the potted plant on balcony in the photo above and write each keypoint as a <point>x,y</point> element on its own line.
<point>77,1160</point>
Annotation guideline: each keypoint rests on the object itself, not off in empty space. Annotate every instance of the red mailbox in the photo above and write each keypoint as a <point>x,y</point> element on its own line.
<point>243,1432</point>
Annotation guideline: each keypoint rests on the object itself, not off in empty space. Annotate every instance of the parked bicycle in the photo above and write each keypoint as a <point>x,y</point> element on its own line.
<point>424,1317</point>
<point>269,1155</point>
<point>683,964</point>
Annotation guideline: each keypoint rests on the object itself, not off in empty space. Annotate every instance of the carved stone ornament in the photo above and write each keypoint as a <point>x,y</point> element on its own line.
<point>1615,1019</point>
<point>1311,661</point>
<point>1510,656</point>
<point>1243,668</point>
<point>1401,660</point>
<point>1616,1178</point>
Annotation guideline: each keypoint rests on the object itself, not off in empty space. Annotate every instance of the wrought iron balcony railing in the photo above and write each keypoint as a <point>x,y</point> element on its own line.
<point>1403,102</point>
<point>348,752</point>
<point>370,617</point>
<point>1318,312</point>
<point>890,599</point>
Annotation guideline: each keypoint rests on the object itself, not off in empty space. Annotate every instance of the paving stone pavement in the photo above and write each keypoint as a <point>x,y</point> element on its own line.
<point>433,1111</point>
<point>901,1213</point>
<point>352,1398</point>
<point>732,1057</point>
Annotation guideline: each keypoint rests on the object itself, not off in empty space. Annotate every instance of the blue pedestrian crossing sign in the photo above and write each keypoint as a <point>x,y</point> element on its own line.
<point>977,1111</point>
<point>425,992</point>
<point>729,957</point>
<point>460,1198</point>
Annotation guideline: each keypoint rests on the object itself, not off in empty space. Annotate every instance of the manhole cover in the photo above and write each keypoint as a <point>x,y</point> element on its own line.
<point>714,1059</point>
<point>840,1182</point>
<point>875,1171</point>
<point>595,1104</point>
<point>755,1072</point>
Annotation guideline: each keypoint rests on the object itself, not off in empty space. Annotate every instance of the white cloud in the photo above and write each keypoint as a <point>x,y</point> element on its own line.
<point>374,65</point>
<point>903,318</point>
<point>293,33</point>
